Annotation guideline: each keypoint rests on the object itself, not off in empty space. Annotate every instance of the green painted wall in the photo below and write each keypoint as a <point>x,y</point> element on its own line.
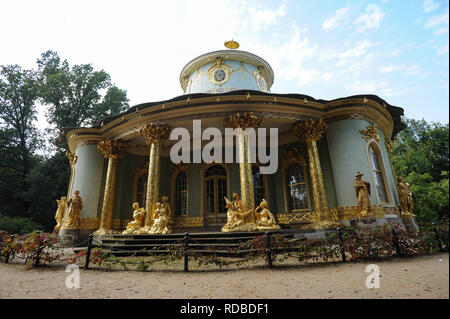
<point>194,190</point>
<point>348,154</point>
<point>388,168</point>
<point>124,189</point>
<point>327,173</point>
<point>88,178</point>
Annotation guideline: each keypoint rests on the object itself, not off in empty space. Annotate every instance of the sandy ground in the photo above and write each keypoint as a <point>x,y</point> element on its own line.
<point>408,277</point>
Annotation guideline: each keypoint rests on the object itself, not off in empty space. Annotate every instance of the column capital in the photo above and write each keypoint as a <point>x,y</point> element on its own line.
<point>243,120</point>
<point>154,133</point>
<point>309,130</point>
<point>111,148</point>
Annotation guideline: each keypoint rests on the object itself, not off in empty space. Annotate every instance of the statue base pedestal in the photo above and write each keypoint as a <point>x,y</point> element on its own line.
<point>70,237</point>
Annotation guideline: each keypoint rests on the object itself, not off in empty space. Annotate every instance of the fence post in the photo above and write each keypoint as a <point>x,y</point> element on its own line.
<point>341,244</point>
<point>38,256</point>
<point>268,250</point>
<point>396,243</point>
<point>88,253</point>
<point>438,237</point>
<point>186,257</point>
<point>10,242</point>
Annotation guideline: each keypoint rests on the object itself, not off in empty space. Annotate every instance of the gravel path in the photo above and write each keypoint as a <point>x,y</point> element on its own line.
<point>408,277</point>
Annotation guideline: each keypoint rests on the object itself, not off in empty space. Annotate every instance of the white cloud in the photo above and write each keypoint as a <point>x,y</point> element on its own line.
<point>443,49</point>
<point>371,19</point>
<point>441,31</point>
<point>265,17</point>
<point>429,5</point>
<point>414,69</point>
<point>340,17</point>
<point>437,20</point>
<point>360,49</point>
<point>390,68</point>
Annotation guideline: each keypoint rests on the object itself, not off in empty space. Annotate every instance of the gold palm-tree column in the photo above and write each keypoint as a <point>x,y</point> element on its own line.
<point>244,121</point>
<point>154,136</point>
<point>112,150</point>
<point>309,132</point>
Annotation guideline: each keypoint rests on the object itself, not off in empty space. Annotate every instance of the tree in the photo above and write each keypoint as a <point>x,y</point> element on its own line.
<point>18,135</point>
<point>74,93</point>
<point>49,180</point>
<point>421,156</point>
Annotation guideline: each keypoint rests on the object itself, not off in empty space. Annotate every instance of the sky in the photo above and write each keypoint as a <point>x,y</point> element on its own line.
<point>396,49</point>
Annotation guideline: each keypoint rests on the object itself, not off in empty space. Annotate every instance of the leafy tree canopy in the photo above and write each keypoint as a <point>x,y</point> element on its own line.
<point>74,94</point>
<point>421,156</point>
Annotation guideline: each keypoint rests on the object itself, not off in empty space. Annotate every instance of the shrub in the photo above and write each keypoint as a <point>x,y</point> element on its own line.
<point>36,248</point>
<point>368,243</point>
<point>18,225</point>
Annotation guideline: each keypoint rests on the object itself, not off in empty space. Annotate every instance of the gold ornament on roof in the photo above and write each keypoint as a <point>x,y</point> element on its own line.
<point>231,44</point>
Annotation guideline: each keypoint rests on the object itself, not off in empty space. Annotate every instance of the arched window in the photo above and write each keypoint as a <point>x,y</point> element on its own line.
<point>297,187</point>
<point>215,190</point>
<point>181,194</point>
<point>375,163</point>
<point>258,185</point>
<point>141,189</point>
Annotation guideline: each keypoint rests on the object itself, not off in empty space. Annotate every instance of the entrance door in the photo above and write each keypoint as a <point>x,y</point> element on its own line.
<point>216,189</point>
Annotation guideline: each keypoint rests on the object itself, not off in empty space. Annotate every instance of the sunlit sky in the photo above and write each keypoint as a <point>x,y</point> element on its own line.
<point>396,49</point>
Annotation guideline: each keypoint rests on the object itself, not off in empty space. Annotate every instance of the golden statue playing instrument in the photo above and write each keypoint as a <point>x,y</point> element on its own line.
<point>264,218</point>
<point>406,200</point>
<point>362,189</point>
<point>138,222</point>
<point>60,212</point>
<point>237,219</point>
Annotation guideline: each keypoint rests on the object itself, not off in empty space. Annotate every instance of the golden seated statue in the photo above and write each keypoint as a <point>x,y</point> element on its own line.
<point>236,219</point>
<point>138,222</point>
<point>264,218</point>
<point>161,221</point>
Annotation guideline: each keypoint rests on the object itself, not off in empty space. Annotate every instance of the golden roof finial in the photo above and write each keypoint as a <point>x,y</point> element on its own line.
<point>231,44</point>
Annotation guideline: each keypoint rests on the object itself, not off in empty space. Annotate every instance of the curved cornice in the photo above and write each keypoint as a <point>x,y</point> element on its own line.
<point>269,106</point>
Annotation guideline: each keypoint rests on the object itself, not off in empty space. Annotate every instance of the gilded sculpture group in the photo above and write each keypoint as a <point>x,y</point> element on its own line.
<point>74,207</point>
<point>259,218</point>
<point>162,216</point>
<point>362,190</point>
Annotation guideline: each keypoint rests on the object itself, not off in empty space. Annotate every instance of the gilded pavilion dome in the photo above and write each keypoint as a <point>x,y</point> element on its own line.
<point>226,70</point>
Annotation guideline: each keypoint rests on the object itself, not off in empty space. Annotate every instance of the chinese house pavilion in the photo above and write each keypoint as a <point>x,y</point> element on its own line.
<point>334,158</point>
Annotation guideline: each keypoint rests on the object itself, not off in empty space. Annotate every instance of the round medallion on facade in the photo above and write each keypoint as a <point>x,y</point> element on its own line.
<point>219,76</point>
